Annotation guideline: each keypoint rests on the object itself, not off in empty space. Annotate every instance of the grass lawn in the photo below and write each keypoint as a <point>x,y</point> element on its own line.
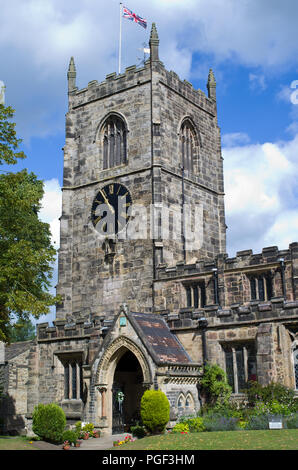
<point>15,443</point>
<point>279,439</point>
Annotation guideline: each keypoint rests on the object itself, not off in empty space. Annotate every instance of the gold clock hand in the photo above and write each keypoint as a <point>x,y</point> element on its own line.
<point>106,201</point>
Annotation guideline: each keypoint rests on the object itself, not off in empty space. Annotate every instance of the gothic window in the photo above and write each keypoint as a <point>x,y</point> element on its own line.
<point>73,379</point>
<point>261,287</point>
<point>240,365</point>
<point>188,146</point>
<point>181,403</point>
<point>195,295</point>
<point>189,403</point>
<point>114,142</point>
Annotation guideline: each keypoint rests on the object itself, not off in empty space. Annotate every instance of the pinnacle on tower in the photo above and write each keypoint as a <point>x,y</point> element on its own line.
<point>153,43</point>
<point>71,75</point>
<point>211,85</point>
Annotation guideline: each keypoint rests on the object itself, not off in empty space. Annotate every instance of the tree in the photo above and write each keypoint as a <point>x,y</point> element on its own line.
<point>22,330</point>
<point>26,253</point>
<point>215,385</point>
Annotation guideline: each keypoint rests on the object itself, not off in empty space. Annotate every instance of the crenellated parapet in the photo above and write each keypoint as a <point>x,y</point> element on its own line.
<point>254,313</point>
<point>79,328</point>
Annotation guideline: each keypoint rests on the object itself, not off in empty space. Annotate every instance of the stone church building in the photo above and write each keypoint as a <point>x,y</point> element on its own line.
<point>143,309</point>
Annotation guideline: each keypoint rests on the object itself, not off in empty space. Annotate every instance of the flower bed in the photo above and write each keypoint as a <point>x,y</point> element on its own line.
<point>128,438</point>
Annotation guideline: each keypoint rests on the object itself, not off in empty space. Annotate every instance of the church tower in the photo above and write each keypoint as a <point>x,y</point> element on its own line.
<point>142,186</point>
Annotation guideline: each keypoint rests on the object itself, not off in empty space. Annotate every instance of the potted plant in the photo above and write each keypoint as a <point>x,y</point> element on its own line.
<point>96,433</point>
<point>66,445</point>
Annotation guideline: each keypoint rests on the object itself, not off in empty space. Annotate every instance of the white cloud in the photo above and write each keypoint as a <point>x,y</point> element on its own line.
<point>235,138</point>
<point>37,38</point>
<point>260,188</point>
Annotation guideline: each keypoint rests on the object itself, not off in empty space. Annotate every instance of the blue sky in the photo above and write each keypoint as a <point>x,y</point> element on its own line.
<point>253,49</point>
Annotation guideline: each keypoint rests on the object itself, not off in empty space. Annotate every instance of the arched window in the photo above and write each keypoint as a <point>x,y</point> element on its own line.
<point>188,143</point>
<point>114,141</point>
<point>181,402</point>
<point>189,403</point>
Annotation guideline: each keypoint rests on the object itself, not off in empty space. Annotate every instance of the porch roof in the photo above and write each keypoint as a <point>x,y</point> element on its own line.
<point>161,342</point>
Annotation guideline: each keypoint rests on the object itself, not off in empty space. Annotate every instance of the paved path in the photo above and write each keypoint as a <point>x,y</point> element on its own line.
<point>101,443</point>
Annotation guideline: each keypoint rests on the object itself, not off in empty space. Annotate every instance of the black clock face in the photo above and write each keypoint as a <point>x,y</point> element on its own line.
<point>110,209</point>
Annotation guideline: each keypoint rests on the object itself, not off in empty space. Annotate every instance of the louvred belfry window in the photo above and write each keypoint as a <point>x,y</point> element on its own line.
<point>114,142</point>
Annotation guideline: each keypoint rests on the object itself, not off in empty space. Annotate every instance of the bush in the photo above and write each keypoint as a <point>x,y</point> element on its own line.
<point>220,423</point>
<point>256,422</point>
<point>138,431</point>
<point>155,410</point>
<point>214,385</point>
<point>89,427</point>
<point>274,392</point>
<point>180,427</point>
<point>195,424</point>
<point>70,436</point>
<point>291,422</point>
<point>49,422</point>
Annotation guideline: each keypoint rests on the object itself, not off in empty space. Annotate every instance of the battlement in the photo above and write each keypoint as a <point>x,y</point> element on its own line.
<point>114,83</point>
<point>245,259</point>
<point>73,328</point>
<point>133,76</point>
<point>254,312</point>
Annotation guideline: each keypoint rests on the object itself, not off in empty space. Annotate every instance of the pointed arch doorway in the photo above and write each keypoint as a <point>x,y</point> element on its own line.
<point>127,391</point>
<point>124,367</point>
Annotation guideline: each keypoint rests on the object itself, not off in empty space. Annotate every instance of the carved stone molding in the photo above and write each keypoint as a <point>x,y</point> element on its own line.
<point>110,355</point>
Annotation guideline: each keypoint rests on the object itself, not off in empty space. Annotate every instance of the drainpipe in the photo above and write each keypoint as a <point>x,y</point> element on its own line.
<point>202,325</point>
<point>202,322</point>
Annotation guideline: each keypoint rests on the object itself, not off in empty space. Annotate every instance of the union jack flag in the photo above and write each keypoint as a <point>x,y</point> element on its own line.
<point>133,17</point>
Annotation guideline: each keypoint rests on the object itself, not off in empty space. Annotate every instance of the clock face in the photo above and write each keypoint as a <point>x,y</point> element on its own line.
<point>110,209</point>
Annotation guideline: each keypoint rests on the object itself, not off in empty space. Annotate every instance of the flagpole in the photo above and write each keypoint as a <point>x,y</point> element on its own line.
<point>120,38</point>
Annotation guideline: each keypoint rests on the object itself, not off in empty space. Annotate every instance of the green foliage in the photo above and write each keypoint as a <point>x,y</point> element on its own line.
<point>220,423</point>
<point>78,427</point>
<point>291,422</point>
<point>155,410</point>
<point>22,330</point>
<point>180,427</point>
<point>195,424</point>
<point>8,139</point>
<point>138,431</point>
<point>26,253</point>
<point>274,392</point>
<point>215,385</point>
<point>48,422</point>
<point>70,436</point>
<point>88,427</point>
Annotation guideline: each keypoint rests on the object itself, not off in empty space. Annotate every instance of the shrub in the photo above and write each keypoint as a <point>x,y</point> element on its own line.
<point>220,423</point>
<point>88,427</point>
<point>215,385</point>
<point>70,436</point>
<point>256,422</point>
<point>291,422</point>
<point>180,427</point>
<point>138,431</point>
<point>78,426</point>
<point>155,410</point>
<point>48,422</point>
<point>273,392</point>
<point>196,424</point>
